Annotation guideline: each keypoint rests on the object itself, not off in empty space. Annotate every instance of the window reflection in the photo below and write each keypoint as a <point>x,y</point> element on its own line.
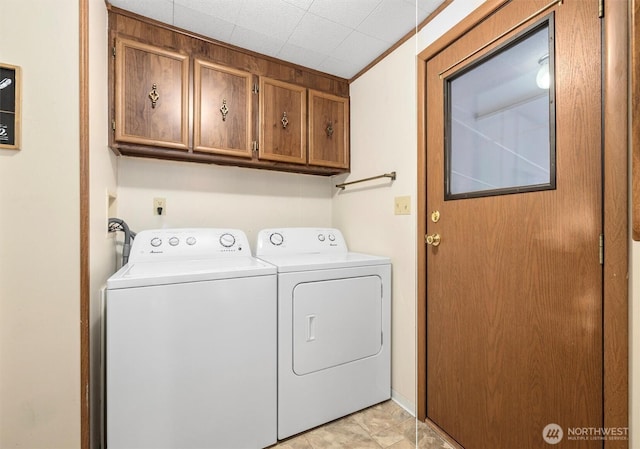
<point>500,119</point>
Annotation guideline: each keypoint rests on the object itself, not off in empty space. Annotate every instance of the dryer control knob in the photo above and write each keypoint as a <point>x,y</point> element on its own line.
<point>276,239</point>
<point>227,240</point>
<point>321,237</point>
<point>191,241</point>
<point>155,242</point>
<point>174,241</point>
<point>332,237</point>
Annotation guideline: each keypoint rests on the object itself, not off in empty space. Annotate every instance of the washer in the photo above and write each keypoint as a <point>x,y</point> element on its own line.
<point>191,344</point>
<point>334,338</point>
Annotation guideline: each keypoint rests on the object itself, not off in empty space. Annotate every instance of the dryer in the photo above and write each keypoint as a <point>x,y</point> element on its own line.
<point>191,344</point>
<point>334,337</point>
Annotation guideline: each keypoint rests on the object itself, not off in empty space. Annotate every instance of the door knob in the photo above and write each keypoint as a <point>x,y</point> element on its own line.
<point>433,239</point>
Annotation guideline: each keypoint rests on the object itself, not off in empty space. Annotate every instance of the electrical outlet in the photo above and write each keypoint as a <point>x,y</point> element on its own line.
<point>112,211</point>
<point>402,205</point>
<point>159,206</point>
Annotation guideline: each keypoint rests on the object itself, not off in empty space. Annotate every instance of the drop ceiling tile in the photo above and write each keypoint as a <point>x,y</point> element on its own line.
<point>276,18</point>
<point>360,49</point>
<point>318,34</point>
<point>349,13</point>
<point>227,10</point>
<point>391,20</point>
<point>337,67</point>
<point>202,23</point>
<point>161,10</point>
<point>425,7</point>
<point>301,56</point>
<point>302,4</point>
<point>255,41</point>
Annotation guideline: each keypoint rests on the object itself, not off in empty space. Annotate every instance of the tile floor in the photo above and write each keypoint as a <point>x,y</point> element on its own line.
<point>386,425</point>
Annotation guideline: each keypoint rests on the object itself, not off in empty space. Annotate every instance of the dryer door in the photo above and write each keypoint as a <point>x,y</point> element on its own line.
<point>335,322</point>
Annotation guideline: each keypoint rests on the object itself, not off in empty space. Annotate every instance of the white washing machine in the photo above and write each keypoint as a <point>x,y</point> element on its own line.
<point>334,336</point>
<point>191,344</point>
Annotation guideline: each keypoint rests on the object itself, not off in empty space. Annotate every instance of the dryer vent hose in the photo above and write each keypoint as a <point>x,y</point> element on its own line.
<point>116,224</point>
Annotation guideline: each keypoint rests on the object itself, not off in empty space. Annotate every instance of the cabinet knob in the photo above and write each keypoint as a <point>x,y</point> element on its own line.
<point>285,120</point>
<point>329,129</point>
<point>224,110</point>
<point>153,95</point>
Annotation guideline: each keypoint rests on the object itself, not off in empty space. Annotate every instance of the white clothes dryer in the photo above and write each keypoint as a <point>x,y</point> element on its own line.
<point>191,344</point>
<point>334,336</point>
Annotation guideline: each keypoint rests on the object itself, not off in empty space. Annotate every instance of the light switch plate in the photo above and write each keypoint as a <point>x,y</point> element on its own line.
<point>402,205</point>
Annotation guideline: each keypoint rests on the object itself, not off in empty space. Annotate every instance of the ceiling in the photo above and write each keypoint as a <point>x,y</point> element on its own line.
<point>339,37</point>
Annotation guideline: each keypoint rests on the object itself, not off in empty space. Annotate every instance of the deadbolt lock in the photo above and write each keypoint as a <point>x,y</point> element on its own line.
<point>435,216</point>
<point>432,239</point>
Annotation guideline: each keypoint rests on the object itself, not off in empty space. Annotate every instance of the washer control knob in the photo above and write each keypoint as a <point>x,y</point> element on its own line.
<point>156,241</point>
<point>174,241</point>
<point>227,240</point>
<point>191,241</point>
<point>276,239</point>
<point>321,237</point>
<point>332,237</point>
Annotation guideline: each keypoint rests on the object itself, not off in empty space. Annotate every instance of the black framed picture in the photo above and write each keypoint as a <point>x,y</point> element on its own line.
<point>10,102</point>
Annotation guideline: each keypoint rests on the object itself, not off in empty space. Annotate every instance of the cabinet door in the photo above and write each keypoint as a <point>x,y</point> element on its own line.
<point>328,130</point>
<point>222,110</point>
<point>283,118</point>
<point>151,89</point>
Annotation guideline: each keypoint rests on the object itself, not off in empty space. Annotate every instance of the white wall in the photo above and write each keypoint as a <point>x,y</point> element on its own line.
<point>200,195</point>
<point>39,232</point>
<point>102,254</point>
<point>383,139</point>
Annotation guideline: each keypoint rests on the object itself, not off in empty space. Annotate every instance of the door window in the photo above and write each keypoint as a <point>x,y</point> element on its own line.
<point>500,119</point>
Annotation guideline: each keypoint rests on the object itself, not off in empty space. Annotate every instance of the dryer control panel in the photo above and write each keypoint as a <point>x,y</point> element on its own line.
<point>300,241</point>
<point>188,243</point>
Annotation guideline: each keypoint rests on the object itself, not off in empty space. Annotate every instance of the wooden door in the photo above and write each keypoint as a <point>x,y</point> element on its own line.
<point>151,95</point>
<point>514,289</point>
<point>283,122</point>
<point>328,130</point>
<point>222,110</point>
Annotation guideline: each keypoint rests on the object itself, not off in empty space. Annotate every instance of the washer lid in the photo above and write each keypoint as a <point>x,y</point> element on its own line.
<point>142,274</point>
<point>308,262</point>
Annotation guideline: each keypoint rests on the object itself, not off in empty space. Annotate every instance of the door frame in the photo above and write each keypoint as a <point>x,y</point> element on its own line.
<point>615,207</point>
<point>83,179</point>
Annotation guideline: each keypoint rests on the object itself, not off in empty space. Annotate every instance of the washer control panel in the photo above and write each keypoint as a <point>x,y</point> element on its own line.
<point>188,243</point>
<point>300,241</point>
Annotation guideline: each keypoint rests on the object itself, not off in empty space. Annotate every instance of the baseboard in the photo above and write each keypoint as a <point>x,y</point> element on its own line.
<point>408,405</point>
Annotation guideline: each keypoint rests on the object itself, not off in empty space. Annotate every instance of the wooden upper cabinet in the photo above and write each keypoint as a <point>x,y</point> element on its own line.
<point>328,130</point>
<point>222,110</point>
<point>283,118</point>
<point>151,95</point>
<point>177,96</point>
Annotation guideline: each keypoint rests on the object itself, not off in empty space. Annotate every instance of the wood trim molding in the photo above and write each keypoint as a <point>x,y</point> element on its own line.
<point>635,114</point>
<point>478,15</point>
<point>85,426</point>
<point>421,290</point>
<point>616,218</point>
<point>616,210</point>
